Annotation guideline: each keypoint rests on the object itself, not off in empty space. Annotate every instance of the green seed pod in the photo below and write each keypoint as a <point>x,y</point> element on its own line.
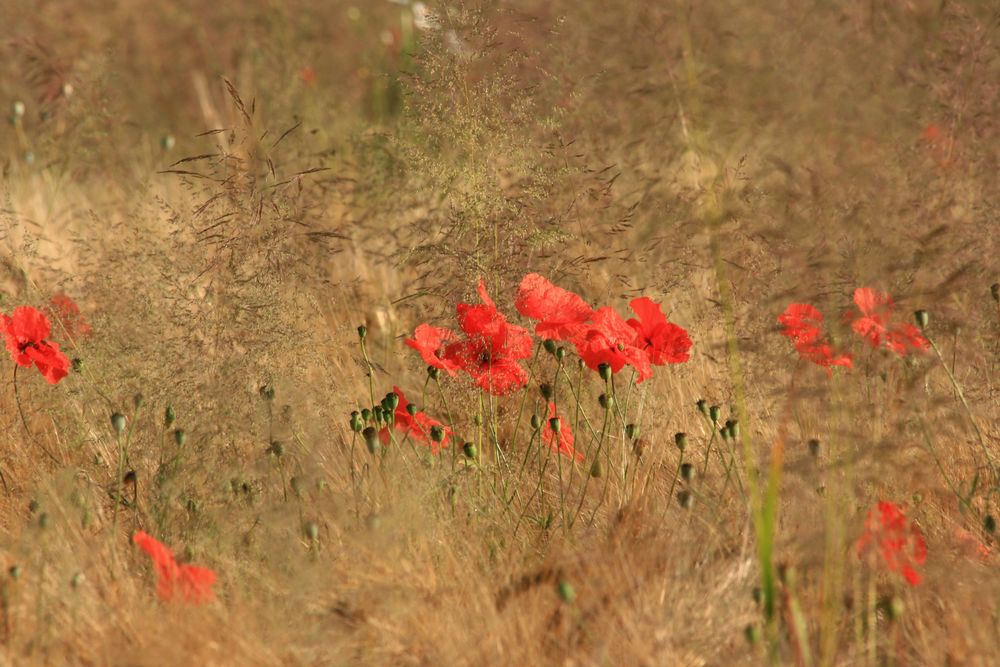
<point>169,417</point>
<point>362,332</point>
<point>167,142</point>
<point>477,419</point>
<point>685,498</point>
<point>631,431</point>
<point>546,390</point>
<point>995,291</point>
<point>77,580</point>
<point>814,447</point>
<point>605,371</point>
<point>470,450</point>
<point>536,422</point>
<point>433,372</point>
<point>681,440</point>
<point>33,506</point>
<point>311,530</point>
<point>77,364</point>
<point>371,440</point>
<point>922,318</point>
<point>377,415</point>
<point>366,415</point>
<point>733,427</point>
<point>555,424</point>
<point>702,406</point>
<point>566,592</point>
<point>437,433</point>
<point>411,409</point>
<point>560,353</point>
<point>393,399</point>
<point>687,472</point>
<point>118,422</point>
<point>15,572</point>
<point>605,401</point>
<point>43,521</point>
<point>356,423</point>
<point>724,432</point>
<point>138,400</point>
<point>752,634</point>
<point>180,437</point>
<point>596,469</point>
<point>715,413</point>
<point>550,346</point>
<point>296,485</point>
<point>990,524</point>
<point>277,449</point>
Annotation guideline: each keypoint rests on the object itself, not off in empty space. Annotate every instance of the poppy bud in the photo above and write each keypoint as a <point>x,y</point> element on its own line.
<point>685,498</point>
<point>362,332</point>
<point>311,531</point>
<point>118,422</point>
<point>922,318</point>
<point>995,291</point>
<point>180,437</point>
<point>687,472</point>
<point>714,413</point>
<point>371,440</point>
<point>167,142</point>
<point>990,524</point>
<point>550,346</point>
<point>267,392</point>
<point>555,424</point>
<point>546,389</point>
<point>15,572</point>
<point>566,592</point>
<point>681,440</point>
<point>470,450</point>
<point>393,399</point>
<point>631,431</point>
<point>356,424</point>
<point>411,409</point>
<point>605,371</point>
<point>536,422</point>
<point>366,415</point>
<point>606,402</point>
<point>702,406</point>
<point>560,353</point>
<point>169,416</point>
<point>433,372</point>
<point>17,109</point>
<point>596,470</point>
<point>814,447</point>
<point>437,433</point>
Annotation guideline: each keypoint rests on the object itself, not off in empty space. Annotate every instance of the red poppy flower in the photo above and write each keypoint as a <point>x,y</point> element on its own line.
<point>608,339</point>
<point>192,583</point>
<point>492,347</point>
<point>663,341</point>
<point>561,313</point>
<point>563,442</point>
<point>431,343</point>
<point>26,333</point>
<point>900,543</point>
<point>418,426</point>
<point>66,313</point>
<point>801,323</point>
<point>873,324</point>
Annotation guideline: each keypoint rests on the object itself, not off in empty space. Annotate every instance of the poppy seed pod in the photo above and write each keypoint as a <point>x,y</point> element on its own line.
<point>990,524</point>
<point>922,318</point>
<point>550,346</point>
<point>356,423</point>
<point>605,401</point>
<point>118,422</point>
<point>715,413</point>
<point>437,433</point>
<point>433,372</point>
<point>631,431</point>
<point>167,142</point>
<point>555,424</point>
<point>169,417</point>
<point>702,406</point>
<point>77,364</point>
<point>15,572</point>
<point>371,440</point>
<point>377,414</point>
<point>560,353</point>
<point>687,472</point>
<point>276,448</point>
<point>681,440</point>
<point>566,592</point>
<point>724,433</point>
<point>733,427</point>
<point>814,447</point>
<point>477,419</point>
<point>536,422</point>
<point>366,414</point>
<point>605,371</point>
<point>752,634</point>
<point>362,332</point>
<point>995,291</point>
<point>685,498</point>
<point>470,450</point>
<point>393,399</point>
<point>546,389</point>
<point>138,400</point>
<point>267,392</point>
<point>312,531</point>
<point>411,409</point>
<point>77,580</point>
<point>596,470</point>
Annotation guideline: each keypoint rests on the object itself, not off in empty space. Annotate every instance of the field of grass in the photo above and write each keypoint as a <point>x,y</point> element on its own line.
<point>234,215</point>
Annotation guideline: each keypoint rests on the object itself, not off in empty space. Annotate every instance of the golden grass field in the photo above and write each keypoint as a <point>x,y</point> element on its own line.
<point>228,190</point>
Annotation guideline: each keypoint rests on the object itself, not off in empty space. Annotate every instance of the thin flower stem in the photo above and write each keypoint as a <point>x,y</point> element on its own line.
<point>597,456</point>
<point>24,422</point>
<point>370,372</point>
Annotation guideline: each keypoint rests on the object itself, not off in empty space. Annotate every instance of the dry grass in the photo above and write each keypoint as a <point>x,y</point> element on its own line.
<point>225,222</point>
